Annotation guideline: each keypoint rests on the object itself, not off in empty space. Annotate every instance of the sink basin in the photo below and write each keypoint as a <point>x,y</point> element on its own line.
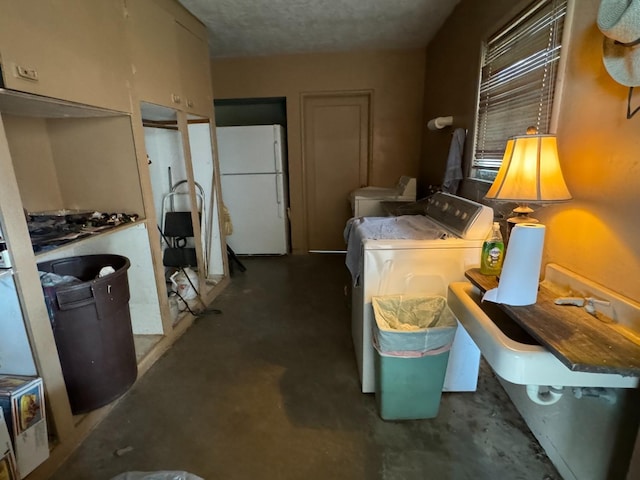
<point>512,353</point>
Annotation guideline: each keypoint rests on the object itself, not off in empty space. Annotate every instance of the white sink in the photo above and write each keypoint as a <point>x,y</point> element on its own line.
<point>511,352</point>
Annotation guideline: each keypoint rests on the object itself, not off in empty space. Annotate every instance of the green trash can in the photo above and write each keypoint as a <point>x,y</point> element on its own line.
<point>412,337</point>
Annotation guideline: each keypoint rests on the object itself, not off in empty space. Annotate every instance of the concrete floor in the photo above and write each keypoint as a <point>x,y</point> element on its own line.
<point>269,390</point>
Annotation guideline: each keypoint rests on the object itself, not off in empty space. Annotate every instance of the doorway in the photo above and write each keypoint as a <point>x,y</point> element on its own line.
<point>253,151</point>
<point>233,112</point>
<point>336,138</point>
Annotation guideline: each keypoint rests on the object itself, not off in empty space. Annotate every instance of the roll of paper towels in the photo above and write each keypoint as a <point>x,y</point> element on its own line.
<point>520,275</point>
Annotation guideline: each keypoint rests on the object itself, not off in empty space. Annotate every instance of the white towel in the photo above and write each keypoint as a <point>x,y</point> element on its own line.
<point>453,173</point>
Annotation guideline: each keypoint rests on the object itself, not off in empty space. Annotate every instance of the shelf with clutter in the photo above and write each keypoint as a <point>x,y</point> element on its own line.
<point>77,175</point>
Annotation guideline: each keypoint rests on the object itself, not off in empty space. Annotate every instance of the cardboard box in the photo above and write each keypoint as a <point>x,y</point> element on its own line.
<point>22,402</point>
<point>7,459</point>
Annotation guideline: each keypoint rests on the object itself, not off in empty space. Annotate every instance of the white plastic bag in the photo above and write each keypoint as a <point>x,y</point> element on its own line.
<point>156,476</point>
<point>185,283</point>
<point>410,323</point>
<point>50,279</point>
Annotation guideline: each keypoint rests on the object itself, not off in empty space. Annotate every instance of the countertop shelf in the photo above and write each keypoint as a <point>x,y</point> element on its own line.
<point>87,236</point>
<point>580,341</point>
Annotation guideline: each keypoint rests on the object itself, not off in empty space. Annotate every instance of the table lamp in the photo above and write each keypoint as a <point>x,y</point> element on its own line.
<point>530,173</point>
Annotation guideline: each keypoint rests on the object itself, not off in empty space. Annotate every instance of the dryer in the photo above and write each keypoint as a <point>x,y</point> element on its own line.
<point>367,201</point>
<point>420,255</point>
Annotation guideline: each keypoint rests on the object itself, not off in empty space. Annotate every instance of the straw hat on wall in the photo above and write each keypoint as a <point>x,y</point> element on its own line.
<point>619,21</point>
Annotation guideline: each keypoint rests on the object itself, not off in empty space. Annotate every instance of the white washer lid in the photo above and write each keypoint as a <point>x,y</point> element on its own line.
<point>405,190</point>
<point>374,192</point>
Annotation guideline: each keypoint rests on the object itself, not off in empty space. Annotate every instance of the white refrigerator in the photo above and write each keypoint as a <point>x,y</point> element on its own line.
<point>254,188</point>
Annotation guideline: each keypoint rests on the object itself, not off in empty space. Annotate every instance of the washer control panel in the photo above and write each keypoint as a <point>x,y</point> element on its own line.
<point>466,218</point>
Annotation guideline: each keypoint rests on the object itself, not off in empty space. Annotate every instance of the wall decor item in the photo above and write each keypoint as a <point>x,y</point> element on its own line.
<point>619,21</point>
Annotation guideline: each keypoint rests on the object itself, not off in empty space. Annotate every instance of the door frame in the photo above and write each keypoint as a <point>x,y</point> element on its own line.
<point>303,161</point>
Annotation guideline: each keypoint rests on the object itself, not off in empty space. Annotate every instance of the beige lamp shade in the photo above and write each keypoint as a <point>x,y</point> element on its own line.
<point>530,172</point>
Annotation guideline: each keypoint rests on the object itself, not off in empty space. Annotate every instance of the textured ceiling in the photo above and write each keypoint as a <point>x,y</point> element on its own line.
<point>269,27</point>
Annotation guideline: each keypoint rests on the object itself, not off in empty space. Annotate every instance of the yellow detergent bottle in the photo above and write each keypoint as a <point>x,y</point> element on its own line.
<point>492,252</point>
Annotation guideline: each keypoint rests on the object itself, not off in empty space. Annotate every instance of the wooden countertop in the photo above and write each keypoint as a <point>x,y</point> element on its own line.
<point>580,341</point>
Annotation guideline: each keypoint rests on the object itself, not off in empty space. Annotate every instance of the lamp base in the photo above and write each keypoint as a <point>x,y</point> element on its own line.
<point>521,216</point>
<point>522,212</point>
<point>522,219</point>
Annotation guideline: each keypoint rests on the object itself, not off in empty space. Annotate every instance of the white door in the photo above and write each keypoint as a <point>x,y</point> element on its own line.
<point>253,149</point>
<point>256,207</point>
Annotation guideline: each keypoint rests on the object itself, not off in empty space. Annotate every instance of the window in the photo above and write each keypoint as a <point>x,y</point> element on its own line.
<point>517,82</point>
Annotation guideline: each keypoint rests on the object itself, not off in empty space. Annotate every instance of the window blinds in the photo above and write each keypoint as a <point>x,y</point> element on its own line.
<point>518,77</point>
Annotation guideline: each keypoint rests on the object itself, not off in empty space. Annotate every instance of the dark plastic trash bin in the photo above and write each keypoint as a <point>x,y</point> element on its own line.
<point>92,329</point>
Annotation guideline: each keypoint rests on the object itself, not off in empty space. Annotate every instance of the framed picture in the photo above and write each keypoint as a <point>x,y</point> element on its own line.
<point>28,408</point>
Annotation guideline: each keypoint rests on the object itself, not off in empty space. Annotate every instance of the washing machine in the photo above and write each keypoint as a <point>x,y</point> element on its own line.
<point>366,201</point>
<point>419,255</point>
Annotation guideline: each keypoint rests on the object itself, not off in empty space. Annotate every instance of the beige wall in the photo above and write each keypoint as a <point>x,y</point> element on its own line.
<point>453,63</point>
<point>596,235</point>
<point>34,163</point>
<point>395,79</point>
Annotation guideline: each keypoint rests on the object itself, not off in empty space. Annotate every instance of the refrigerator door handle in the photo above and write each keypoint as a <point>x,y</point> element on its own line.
<point>277,162</point>
<point>278,195</point>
